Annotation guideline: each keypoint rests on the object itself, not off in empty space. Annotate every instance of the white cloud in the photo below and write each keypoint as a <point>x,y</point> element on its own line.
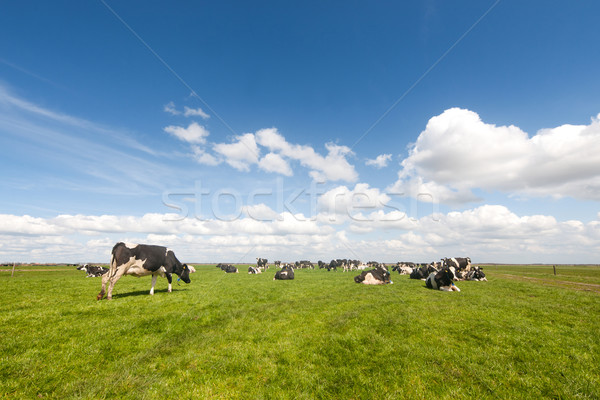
<point>170,108</point>
<point>381,161</point>
<point>241,154</point>
<point>187,111</point>
<point>332,167</point>
<point>194,133</point>
<point>457,152</point>
<point>203,157</point>
<point>343,201</point>
<point>489,233</point>
<point>194,112</point>
<point>275,163</point>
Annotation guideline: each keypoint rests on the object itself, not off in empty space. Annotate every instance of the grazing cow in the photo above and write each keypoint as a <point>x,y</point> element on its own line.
<point>476,274</point>
<point>141,260</point>
<point>377,276</point>
<point>262,263</point>
<point>333,265</point>
<point>254,270</point>
<point>442,280</point>
<point>286,273</point>
<point>92,271</point>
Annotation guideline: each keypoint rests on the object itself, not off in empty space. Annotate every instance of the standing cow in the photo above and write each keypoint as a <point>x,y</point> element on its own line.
<point>141,260</point>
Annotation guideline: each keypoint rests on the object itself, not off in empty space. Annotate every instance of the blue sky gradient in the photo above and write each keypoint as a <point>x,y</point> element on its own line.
<point>484,116</point>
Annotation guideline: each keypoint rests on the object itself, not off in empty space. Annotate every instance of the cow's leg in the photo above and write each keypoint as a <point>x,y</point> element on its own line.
<point>455,288</point>
<point>445,288</point>
<point>103,288</point>
<point>154,277</point>
<point>113,279</point>
<point>170,279</point>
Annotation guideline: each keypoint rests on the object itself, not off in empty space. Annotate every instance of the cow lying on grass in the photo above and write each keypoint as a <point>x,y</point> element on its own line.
<point>254,270</point>
<point>424,271</point>
<point>475,274</point>
<point>92,271</point>
<point>377,276</point>
<point>228,268</point>
<point>286,273</point>
<point>442,280</point>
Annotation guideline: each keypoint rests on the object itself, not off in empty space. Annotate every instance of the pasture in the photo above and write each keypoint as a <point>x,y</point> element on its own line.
<point>523,334</point>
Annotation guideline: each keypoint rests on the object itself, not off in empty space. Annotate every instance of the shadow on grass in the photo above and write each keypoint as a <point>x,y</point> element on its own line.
<point>145,293</point>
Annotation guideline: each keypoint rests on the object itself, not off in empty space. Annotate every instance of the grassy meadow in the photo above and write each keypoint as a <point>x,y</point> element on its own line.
<point>523,334</point>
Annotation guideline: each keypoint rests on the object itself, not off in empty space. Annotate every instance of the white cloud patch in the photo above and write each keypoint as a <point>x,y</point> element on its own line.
<point>489,233</point>
<point>187,111</point>
<point>344,201</point>
<point>194,112</point>
<point>240,154</point>
<point>333,167</point>
<point>381,161</point>
<point>457,152</point>
<point>275,163</point>
<point>203,157</point>
<point>194,133</point>
<point>170,108</point>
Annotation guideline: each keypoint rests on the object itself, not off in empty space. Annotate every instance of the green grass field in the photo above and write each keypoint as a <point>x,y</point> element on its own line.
<point>523,334</point>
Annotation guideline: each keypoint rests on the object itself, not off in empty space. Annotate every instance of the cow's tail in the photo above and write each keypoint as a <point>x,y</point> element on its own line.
<point>113,261</point>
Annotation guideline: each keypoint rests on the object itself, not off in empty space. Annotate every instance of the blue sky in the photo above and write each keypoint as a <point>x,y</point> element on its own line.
<point>234,130</point>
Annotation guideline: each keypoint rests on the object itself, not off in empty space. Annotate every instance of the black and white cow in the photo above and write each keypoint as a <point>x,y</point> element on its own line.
<point>286,273</point>
<point>404,268</point>
<point>476,274</point>
<point>262,263</point>
<point>459,263</point>
<point>377,276</point>
<point>442,280</point>
<point>424,270</point>
<point>254,270</point>
<point>141,260</point>
<point>92,271</point>
<point>229,269</point>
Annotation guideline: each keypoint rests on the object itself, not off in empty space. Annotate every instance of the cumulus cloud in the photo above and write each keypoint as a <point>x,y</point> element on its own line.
<point>187,111</point>
<point>170,108</point>
<point>458,152</point>
<point>381,161</point>
<point>275,163</point>
<point>344,201</point>
<point>240,154</point>
<point>333,167</point>
<point>489,233</point>
<point>203,157</point>
<point>195,112</point>
<point>194,133</point>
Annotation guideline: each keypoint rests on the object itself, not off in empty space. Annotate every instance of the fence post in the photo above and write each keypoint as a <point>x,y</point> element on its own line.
<point>13,270</point>
<point>554,266</point>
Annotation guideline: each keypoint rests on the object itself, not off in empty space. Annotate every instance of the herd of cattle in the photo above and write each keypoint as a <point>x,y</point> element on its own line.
<point>141,260</point>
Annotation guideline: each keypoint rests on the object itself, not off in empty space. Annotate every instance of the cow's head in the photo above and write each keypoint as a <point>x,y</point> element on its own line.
<point>184,275</point>
<point>479,274</point>
<point>385,274</point>
<point>446,276</point>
